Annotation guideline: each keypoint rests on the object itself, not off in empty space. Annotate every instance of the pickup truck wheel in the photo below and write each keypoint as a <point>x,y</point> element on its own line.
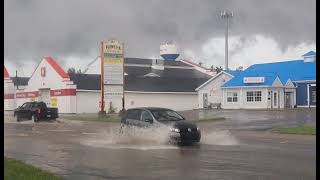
<point>34,118</point>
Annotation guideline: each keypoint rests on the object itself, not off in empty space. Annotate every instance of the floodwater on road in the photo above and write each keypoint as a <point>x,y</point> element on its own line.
<point>94,150</point>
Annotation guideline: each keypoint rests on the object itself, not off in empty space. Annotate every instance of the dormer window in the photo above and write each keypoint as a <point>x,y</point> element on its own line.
<point>309,56</point>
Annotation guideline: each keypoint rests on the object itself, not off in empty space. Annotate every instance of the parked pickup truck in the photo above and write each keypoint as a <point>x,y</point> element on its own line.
<point>35,111</point>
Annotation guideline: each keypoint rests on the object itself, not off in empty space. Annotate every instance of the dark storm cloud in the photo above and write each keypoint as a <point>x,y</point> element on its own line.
<point>60,28</point>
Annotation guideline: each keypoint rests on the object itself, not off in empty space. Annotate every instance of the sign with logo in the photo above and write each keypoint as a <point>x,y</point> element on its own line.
<point>113,62</point>
<point>249,80</point>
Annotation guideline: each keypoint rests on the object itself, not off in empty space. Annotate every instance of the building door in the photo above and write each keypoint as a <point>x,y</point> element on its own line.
<point>312,95</point>
<point>275,100</point>
<point>205,100</point>
<point>288,99</point>
<point>44,95</point>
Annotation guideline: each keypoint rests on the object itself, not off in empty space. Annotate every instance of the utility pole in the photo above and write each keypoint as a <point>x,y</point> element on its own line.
<point>226,15</point>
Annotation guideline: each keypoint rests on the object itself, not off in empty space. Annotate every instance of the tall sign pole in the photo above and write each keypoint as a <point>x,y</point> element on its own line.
<point>226,15</point>
<point>102,104</point>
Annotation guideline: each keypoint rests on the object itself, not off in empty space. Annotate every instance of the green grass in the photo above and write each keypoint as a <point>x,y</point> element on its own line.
<point>17,170</point>
<point>212,119</point>
<point>301,129</point>
<point>92,117</point>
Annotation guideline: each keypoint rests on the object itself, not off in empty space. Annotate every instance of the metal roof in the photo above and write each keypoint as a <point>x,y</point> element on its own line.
<point>310,53</point>
<point>169,80</point>
<point>296,70</point>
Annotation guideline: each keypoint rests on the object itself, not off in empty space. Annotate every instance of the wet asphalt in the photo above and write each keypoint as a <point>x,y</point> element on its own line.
<point>241,147</point>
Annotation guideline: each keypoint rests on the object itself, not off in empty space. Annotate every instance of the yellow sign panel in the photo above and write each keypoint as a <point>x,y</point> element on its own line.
<point>54,102</point>
<point>107,60</point>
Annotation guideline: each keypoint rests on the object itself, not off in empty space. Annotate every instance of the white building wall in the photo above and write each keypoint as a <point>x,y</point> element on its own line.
<point>175,101</point>
<point>213,89</point>
<point>9,99</point>
<point>88,101</point>
<point>242,98</point>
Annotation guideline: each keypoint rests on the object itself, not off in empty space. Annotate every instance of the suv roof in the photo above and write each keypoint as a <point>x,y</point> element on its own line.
<point>149,108</point>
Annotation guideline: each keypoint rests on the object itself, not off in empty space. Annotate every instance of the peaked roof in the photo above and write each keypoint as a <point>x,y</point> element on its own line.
<point>6,74</point>
<point>310,53</point>
<point>56,67</point>
<point>143,84</point>
<point>296,70</point>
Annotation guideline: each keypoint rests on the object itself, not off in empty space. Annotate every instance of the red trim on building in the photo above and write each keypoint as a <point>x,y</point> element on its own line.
<point>56,67</point>
<point>6,74</point>
<point>8,96</point>
<point>27,94</point>
<point>63,92</point>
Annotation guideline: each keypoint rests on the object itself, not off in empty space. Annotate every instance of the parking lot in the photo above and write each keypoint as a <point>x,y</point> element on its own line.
<point>240,147</point>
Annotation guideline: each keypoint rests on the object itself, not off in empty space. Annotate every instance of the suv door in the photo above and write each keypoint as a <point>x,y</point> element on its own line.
<point>23,110</point>
<point>146,119</point>
<point>133,117</point>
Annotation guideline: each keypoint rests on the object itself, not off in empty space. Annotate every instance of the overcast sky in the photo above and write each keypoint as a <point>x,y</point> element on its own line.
<point>70,31</point>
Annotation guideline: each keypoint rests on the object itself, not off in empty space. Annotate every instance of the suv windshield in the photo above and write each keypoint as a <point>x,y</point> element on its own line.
<point>166,115</point>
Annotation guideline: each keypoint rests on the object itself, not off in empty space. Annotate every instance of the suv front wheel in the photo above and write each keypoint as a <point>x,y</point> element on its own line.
<point>17,117</point>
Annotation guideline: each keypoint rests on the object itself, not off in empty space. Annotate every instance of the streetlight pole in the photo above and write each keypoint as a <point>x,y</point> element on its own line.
<point>226,15</point>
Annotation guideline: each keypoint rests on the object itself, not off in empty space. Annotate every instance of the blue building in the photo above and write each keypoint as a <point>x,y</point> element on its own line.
<point>285,84</point>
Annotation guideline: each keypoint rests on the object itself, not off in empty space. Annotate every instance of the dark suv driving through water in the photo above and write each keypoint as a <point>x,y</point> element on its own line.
<point>182,130</point>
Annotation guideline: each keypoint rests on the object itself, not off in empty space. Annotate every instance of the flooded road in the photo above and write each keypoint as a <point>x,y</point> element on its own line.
<point>93,150</point>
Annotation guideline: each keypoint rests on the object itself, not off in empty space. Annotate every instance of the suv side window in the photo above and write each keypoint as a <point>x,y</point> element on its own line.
<point>24,105</point>
<point>28,105</point>
<point>133,114</point>
<point>146,115</point>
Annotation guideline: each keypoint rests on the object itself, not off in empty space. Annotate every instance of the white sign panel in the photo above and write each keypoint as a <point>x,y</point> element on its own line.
<point>249,80</point>
<point>113,62</point>
<point>113,91</point>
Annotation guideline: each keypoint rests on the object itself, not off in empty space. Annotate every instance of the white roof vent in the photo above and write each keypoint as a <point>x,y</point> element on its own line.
<point>157,64</point>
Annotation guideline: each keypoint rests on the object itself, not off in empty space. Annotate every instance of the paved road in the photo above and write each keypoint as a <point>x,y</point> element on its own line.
<point>81,150</point>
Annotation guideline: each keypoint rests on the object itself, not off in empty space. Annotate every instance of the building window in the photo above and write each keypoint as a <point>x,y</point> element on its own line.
<point>253,96</point>
<point>313,96</point>
<point>232,97</point>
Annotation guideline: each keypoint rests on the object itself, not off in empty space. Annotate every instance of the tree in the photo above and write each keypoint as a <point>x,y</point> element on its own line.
<point>71,70</point>
<point>74,71</point>
<point>218,69</point>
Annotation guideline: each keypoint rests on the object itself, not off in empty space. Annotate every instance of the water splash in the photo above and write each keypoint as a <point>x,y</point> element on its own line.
<point>218,137</point>
<point>132,138</point>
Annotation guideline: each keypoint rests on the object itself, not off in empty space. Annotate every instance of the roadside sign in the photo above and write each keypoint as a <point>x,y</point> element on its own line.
<point>113,62</point>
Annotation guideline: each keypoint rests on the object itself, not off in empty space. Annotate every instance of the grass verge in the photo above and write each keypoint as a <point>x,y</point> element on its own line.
<point>301,129</point>
<point>212,119</point>
<point>92,117</point>
<point>17,170</point>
